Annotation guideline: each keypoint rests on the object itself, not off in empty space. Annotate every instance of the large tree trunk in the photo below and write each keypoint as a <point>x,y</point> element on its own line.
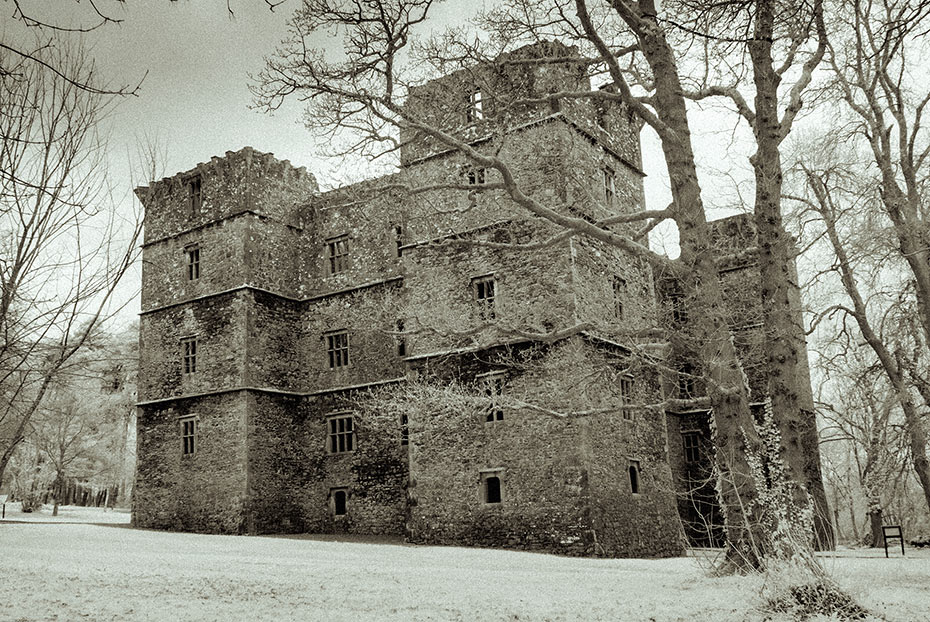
<point>785,351</point>
<point>735,435</point>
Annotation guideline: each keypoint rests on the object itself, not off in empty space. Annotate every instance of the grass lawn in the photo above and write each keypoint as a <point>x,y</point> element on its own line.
<point>89,565</point>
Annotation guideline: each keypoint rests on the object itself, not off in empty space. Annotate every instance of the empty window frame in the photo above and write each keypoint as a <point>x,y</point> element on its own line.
<point>476,176</point>
<point>192,253</point>
<point>337,349</point>
<point>341,433</point>
<point>634,477</point>
<point>340,496</point>
<point>626,397</point>
<point>474,110</point>
<point>493,385</point>
<point>491,491</point>
<point>619,289</point>
<point>400,339</point>
<point>189,355</point>
<point>404,429</point>
<point>692,446</point>
<point>195,194</point>
<point>399,239</point>
<point>679,311</point>
<point>188,435</point>
<point>610,186</point>
<point>337,250</point>
<point>485,291</point>
<point>686,385</point>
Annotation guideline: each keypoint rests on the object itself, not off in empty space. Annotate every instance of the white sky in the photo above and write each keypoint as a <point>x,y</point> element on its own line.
<point>194,99</point>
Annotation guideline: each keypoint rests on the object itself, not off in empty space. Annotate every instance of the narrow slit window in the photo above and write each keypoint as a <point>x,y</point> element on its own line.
<point>634,477</point>
<point>195,194</point>
<point>619,287</point>
<point>610,186</point>
<point>404,429</point>
<point>337,349</point>
<point>193,262</point>
<point>626,397</point>
<point>189,355</point>
<point>400,339</point>
<point>399,239</point>
<point>692,446</point>
<point>474,110</point>
<point>341,434</point>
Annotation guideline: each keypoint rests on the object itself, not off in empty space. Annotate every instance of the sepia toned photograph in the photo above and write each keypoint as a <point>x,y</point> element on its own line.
<point>448,310</point>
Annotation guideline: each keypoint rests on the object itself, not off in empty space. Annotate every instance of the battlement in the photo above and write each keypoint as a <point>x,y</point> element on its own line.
<point>241,181</point>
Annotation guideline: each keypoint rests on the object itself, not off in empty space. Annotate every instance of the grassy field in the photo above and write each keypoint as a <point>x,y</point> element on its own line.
<point>89,565</point>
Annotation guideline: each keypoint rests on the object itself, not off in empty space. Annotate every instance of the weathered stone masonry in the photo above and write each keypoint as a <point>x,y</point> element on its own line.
<point>300,301</point>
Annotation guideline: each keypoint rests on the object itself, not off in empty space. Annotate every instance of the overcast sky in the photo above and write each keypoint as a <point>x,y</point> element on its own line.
<point>194,99</point>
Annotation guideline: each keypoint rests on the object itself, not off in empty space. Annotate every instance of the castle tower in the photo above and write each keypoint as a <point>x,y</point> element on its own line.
<point>216,238</point>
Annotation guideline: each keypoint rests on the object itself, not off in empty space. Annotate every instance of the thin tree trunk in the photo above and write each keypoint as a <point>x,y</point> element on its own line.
<point>852,519</point>
<point>875,522</point>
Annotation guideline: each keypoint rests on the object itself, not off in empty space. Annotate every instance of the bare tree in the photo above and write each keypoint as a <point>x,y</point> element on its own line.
<point>866,420</point>
<point>63,250</point>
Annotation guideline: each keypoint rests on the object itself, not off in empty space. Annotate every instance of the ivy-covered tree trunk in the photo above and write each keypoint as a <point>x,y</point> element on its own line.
<point>792,402</point>
<point>735,436</point>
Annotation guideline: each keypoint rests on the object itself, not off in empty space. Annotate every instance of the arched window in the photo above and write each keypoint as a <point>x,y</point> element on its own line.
<point>634,476</point>
<point>339,502</point>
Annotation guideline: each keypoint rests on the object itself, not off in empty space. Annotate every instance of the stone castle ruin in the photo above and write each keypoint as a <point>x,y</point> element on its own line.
<point>269,308</point>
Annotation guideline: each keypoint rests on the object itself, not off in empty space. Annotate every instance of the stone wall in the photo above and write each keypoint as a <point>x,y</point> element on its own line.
<point>218,323</point>
<point>533,292</point>
<point>561,481</point>
<point>374,474</point>
<point>240,181</point>
<point>368,315</point>
<point>205,491</point>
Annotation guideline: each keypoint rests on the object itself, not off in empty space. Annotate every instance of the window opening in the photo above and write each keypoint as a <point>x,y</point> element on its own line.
<point>339,501</point>
<point>189,355</point>
<point>188,436</point>
<point>686,384</point>
<point>195,194</point>
<point>193,262</point>
<point>404,430</point>
<point>475,109</point>
<point>692,441</point>
<point>634,476</point>
<point>338,250</point>
<point>341,434</point>
<point>626,397</point>
<point>494,389</point>
<point>485,291</point>
<point>337,348</point>
<point>476,176</point>
<point>491,487</point>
